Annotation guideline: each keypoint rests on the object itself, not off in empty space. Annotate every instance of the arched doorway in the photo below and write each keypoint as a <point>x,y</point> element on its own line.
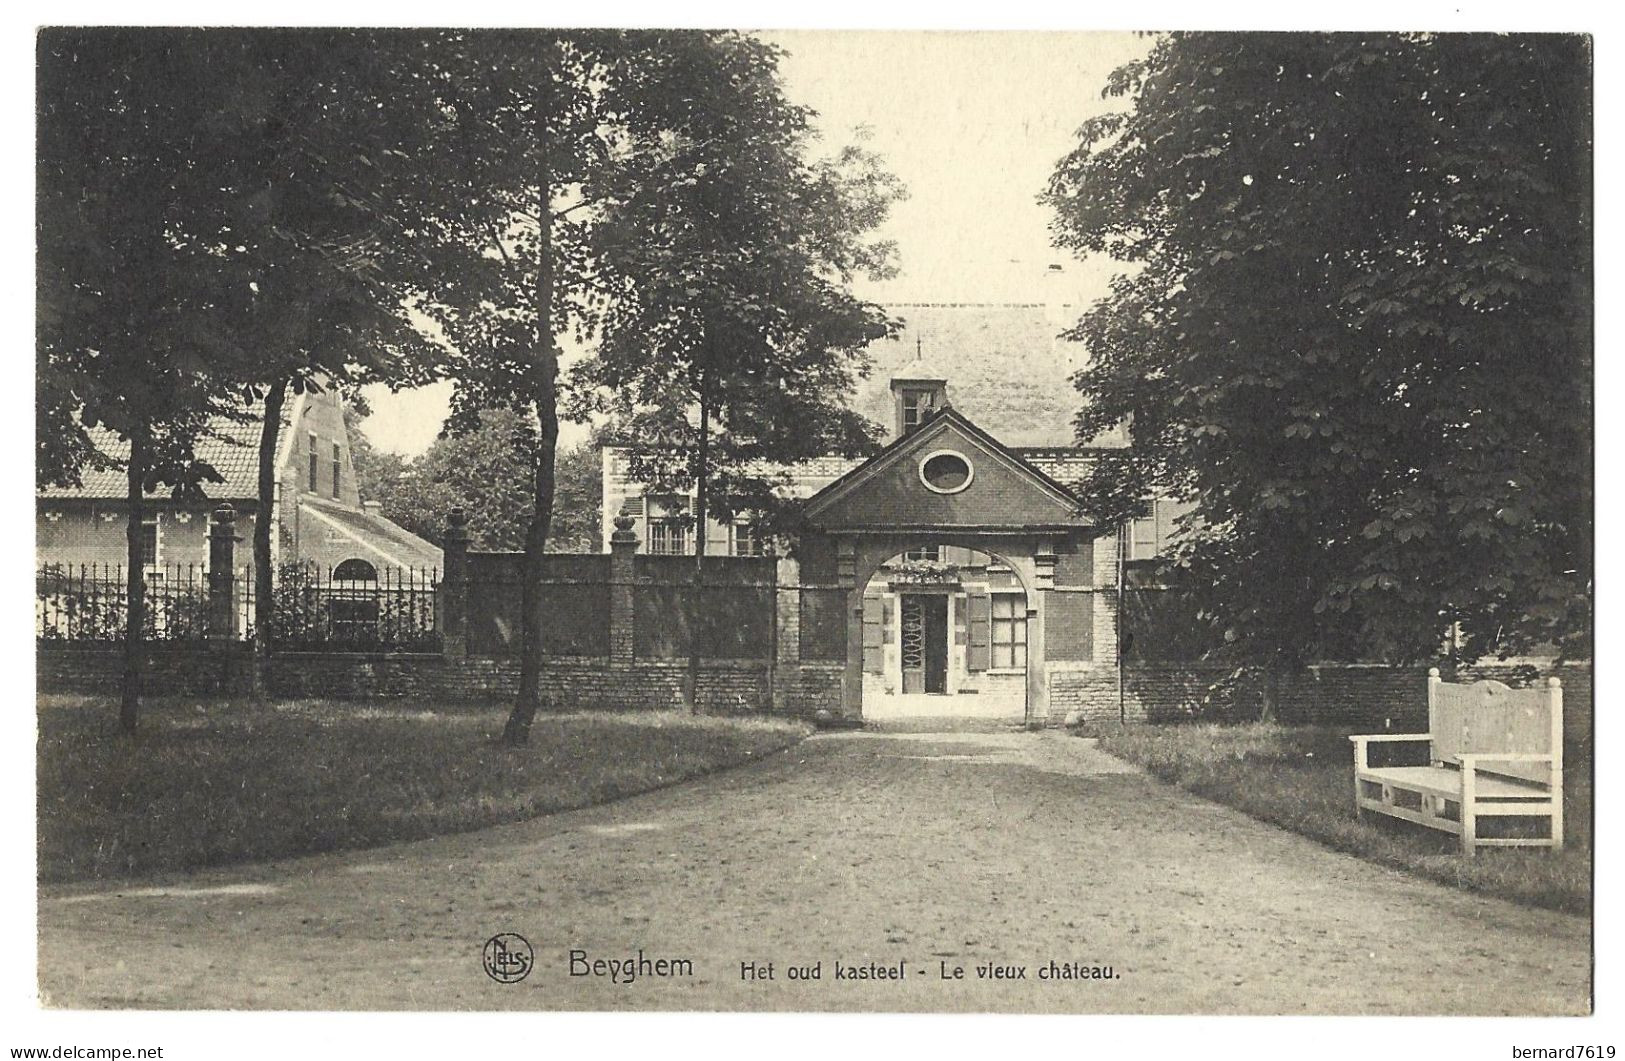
<point>355,570</point>
<point>945,635</point>
<point>352,601</point>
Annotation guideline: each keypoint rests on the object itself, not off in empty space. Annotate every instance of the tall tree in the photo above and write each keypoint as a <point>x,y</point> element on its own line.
<point>734,341</point>
<point>131,344</point>
<point>1354,331</point>
<point>519,129</point>
<point>552,135</point>
<point>282,229</point>
<point>317,205</point>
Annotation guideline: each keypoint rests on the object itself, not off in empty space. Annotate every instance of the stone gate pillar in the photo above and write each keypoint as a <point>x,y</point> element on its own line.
<point>623,577</point>
<point>222,613</point>
<point>1043,589</point>
<point>454,586</point>
<point>846,576</point>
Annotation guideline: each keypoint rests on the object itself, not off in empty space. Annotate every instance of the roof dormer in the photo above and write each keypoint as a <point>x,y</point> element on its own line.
<point>919,392</point>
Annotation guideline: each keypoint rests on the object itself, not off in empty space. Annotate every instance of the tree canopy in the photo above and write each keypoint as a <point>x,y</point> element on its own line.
<point>730,339</point>
<point>223,219</point>
<point>1354,329</point>
<point>486,472</point>
<point>732,342</point>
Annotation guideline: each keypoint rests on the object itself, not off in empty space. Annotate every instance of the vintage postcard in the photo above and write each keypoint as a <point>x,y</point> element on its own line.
<point>815,522</point>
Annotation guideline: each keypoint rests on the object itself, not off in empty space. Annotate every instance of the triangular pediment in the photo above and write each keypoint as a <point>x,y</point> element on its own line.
<point>895,489</point>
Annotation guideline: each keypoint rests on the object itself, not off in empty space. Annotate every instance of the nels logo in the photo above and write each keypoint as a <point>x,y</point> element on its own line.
<point>508,958</point>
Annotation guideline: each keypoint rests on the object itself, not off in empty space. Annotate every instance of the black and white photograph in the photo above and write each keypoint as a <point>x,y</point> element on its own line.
<point>812,521</point>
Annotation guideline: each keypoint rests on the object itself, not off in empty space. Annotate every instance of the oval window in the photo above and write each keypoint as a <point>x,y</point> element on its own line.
<point>946,472</point>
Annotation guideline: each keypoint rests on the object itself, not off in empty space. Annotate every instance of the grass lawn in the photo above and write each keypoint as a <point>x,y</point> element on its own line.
<point>211,782</point>
<point>1302,778</point>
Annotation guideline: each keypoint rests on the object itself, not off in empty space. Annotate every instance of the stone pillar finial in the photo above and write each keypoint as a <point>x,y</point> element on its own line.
<point>457,523</point>
<point>624,539</point>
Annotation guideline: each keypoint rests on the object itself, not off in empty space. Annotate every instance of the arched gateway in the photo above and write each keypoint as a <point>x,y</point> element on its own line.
<point>968,576</point>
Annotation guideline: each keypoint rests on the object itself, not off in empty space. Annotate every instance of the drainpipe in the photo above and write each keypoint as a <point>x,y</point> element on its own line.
<point>1122,699</point>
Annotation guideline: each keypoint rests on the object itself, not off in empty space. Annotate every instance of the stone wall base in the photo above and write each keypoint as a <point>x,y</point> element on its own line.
<point>1360,697</point>
<point>200,669</point>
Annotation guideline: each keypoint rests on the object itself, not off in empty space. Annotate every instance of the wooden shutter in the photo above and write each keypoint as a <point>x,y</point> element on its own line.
<point>874,636</point>
<point>976,652</point>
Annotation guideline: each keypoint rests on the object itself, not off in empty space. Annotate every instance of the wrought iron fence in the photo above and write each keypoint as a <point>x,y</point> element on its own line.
<point>394,609</point>
<point>88,602</point>
<point>397,609</point>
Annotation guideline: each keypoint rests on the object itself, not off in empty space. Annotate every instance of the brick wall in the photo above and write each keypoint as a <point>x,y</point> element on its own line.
<point>809,688</point>
<point>1369,698</point>
<point>1069,626</point>
<point>1081,693</point>
<point>1075,563</point>
<point>192,668</point>
<point>572,684</point>
<point>203,669</point>
<point>1359,697</point>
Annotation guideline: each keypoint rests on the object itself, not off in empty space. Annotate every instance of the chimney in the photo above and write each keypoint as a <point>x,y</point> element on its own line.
<point>373,508</point>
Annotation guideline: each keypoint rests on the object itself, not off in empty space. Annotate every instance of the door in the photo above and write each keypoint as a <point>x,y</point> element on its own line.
<point>925,643</point>
<point>936,644</point>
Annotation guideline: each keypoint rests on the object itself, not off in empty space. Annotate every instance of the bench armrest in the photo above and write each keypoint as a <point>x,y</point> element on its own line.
<point>1365,738</point>
<point>1362,739</point>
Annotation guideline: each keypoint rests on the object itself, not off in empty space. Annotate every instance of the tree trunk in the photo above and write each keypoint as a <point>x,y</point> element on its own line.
<point>135,614</point>
<point>264,517</point>
<point>532,615</point>
<point>529,700</point>
<point>696,593</point>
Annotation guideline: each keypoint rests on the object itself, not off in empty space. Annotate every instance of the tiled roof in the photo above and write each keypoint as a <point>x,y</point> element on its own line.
<point>1008,369</point>
<point>397,545</point>
<point>231,447</point>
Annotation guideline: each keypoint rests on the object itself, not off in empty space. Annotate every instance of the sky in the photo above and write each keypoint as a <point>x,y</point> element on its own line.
<point>972,123</point>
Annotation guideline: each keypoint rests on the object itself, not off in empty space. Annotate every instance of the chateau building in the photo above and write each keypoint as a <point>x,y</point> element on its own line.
<point>956,573</point>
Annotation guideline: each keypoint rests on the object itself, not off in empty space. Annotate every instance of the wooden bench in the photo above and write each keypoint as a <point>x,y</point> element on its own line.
<point>1494,752</point>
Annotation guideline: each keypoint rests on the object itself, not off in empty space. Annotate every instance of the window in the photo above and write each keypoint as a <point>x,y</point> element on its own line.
<point>310,450</point>
<point>668,537</point>
<point>946,472</point>
<point>1009,631</point>
<point>924,552</point>
<point>1150,536</point>
<point>745,539</point>
<point>149,541</point>
<point>1142,541</point>
<point>917,406</point>
<point>337,463</point>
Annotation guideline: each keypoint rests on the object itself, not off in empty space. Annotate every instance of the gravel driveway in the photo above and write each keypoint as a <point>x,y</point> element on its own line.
<point>880,854</point>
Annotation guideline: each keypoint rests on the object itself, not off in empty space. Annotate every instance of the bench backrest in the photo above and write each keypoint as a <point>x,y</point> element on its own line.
<point>1487,717</point>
